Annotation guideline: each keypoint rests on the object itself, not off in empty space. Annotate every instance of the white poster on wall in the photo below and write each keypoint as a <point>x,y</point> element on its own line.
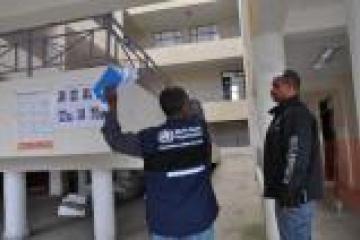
<point>75,106</point>
<point>34,120</point>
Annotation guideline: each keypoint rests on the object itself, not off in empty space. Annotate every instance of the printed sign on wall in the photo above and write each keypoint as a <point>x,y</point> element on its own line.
<point>34,122</point>
<point>76,106</point>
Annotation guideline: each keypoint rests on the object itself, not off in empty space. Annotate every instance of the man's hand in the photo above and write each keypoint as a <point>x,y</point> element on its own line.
<point>111,96</point>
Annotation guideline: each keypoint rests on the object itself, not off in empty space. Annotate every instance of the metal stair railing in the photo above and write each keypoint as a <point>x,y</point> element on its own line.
<point>47,52</point>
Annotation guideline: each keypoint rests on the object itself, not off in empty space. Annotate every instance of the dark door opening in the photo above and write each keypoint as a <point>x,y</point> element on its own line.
<point>329,136</point>
<point>37,183</point>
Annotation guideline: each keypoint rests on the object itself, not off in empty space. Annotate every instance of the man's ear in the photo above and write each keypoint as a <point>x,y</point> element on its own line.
<point>185,109</point>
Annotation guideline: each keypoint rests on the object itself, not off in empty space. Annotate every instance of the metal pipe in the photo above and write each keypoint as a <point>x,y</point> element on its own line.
<point>44,51</point>
<point>92,44</point>
<point>107,20</point>
<point>30,54</point>
<point>16,57</point>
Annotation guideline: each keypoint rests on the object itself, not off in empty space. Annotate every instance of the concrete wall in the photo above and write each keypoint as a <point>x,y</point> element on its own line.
<point>226,110</point>
<point>312,19</point>
<point>197,52</point>
<point>202,81</point>
<point>230,133</point>
<point>72,146</point>
<point>340,90</point>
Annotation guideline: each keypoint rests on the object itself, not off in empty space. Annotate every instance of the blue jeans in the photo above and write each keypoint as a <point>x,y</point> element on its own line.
<point>208,234</point>
<point>295,223</point>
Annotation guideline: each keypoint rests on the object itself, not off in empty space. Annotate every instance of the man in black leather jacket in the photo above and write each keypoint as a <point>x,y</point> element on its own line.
<point>292,165</point>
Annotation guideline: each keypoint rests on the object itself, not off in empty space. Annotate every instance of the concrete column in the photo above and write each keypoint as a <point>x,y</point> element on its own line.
<point>56,185</point>
<point>119,16</point>
<point>353,23</point>
<point>82,182</point>
<point>15,227</point>
<point>103,205</point>
<point>262,30</point>
<point>269,61</point>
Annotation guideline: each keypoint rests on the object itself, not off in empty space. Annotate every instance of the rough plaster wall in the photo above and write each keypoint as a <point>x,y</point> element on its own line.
<point>229,27</point>
<point>230,133</point>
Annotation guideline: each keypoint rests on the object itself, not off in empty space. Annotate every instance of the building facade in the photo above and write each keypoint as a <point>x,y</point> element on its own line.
<point>223,52</point>
<point>199,46</point>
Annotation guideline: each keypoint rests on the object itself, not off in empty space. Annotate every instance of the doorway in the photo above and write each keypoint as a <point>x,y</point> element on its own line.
<point>329,138</point>
<point>37,183</point>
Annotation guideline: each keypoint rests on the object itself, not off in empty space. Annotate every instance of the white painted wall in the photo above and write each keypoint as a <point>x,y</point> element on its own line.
<point>137,109</point>
<point>327,16</point>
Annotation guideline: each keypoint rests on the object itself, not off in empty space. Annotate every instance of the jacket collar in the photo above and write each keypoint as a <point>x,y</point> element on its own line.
<point>284,104</point>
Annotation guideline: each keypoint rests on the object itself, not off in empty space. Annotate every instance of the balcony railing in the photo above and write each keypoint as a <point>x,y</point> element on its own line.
<point>31,49</point>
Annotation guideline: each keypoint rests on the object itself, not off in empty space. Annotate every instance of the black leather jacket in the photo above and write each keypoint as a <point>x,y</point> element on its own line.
<point>292,165</point>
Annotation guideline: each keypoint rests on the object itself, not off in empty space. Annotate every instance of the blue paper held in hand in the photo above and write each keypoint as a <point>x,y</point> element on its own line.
<point>113,77</point>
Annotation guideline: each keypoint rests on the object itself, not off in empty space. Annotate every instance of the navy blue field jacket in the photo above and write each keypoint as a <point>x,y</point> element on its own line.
<point>180,200</point>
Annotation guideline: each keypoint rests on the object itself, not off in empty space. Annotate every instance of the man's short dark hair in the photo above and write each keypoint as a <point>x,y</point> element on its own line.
<point>292,77</point>
<point>172,100</point>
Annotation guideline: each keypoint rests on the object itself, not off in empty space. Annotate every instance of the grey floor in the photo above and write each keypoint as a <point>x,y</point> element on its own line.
<point>332,225</point>
<point>240,216</point>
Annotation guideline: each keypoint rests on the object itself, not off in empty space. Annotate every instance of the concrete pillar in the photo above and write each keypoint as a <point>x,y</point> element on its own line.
<point>264,57</point>
<point>262,30</point>
<point>269,61</point>
<point>56,184</point>
<point>103,205</point>
<point>82,182</point>
<point>15,222</point>
<point>353,24</point>
<point>119,16</point>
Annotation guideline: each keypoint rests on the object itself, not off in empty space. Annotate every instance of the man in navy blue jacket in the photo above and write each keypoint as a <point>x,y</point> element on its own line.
<point>180,203</point>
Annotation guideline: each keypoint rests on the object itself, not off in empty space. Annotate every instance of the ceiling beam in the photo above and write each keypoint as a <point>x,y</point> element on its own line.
<point>61,12</point>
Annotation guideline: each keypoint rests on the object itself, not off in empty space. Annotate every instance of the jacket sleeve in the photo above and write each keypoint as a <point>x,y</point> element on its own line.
<point>298,139</point>
<point>127,143</point>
